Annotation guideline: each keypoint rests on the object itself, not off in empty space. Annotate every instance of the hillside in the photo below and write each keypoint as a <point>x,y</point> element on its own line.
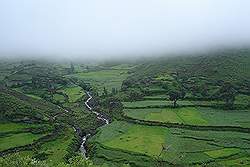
<point>230,65</point>
<point>182,111</point>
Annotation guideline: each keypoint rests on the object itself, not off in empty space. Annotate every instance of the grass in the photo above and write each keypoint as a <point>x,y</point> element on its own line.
<point>136,138</point>
<point>9,126</point>
<point>193,116</point>
<point>182,147</point>
<point>157,97</point>
<point>189,115</point>
<point>146,103</point>
<point>157,101</point>
<point>74,93</point>
<point>242,99</point>
<point>225,152</point>
<point>34,96</point>
<point>103,78</point>
<point>154,114</point>
<point>239,162</point>
<point>59,97</point>
<point>57,148</point>
<point>219,117</point>
<point>16,140</point>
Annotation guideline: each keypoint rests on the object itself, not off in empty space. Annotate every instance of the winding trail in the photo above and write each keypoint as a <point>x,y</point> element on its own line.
<point>99,116</point>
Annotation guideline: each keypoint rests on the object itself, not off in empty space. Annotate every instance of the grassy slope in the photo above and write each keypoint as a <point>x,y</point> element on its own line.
<point>193,116</point>
<point>15,140</point>
<point>181,146</point>
<point>232,65</point>
<point>57,148</point>
<point>74,93</point>
<point>104,78</point>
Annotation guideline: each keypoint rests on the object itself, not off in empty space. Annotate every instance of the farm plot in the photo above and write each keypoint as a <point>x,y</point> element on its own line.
<point>6,127</point>
<point>15,140</point>
<point>73,93</point>
<point>132,138</point>
<point>104,78</point>
<point>57,149</point>
<point>147,103</point>
<point>178,146</point>
<point>192,116</point>
<point>189,115</point>
<point>157,102</point>
<point>16,134</point>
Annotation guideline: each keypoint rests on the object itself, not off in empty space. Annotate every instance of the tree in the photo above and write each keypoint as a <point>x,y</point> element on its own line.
<point>105,92</point>
<point>72,68</point>
<point>21,161</point>
<point>17,160</point>
<point>227,93</point>
<point>175,95</point>
<point>135,94</point>
<point>114,91</point>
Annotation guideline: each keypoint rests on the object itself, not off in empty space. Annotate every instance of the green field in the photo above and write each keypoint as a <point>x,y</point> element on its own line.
<point>57,149</point>
<point>16,140</point>
<point>181,147</point>
<point>10,126</point>
<point>193,116</point>
<point>137,139</point>
<point>14,135</point>
<point>146,103</point>
<point>211,90</point>
<point>157,97</point>
<point>132,138</point>
<point>58,97</point>
<point>189,115</point>
<point>74,93</point>
<point>225,152</point>
<point>104,78</point>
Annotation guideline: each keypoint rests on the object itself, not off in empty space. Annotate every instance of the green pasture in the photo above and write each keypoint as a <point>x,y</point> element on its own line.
<point>57,149</point>
<point>193,116</point>
<point>103,78</point>
<point>157,97</point>
<point>225,152</point>
<point>58,97</point>
<point>239,162</point>
<point>242,99</point>
<point>74,93</point>
<point>16,140</point>
<point>188,115</point>
<point>151,101</point>
<point>178,146</point>
<point>14,127</point>
<point>146,103</point>
<point>219,117</point>
<point>134,138</point>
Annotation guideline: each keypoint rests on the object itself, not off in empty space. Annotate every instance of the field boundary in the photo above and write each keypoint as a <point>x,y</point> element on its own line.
<point>183,126</point>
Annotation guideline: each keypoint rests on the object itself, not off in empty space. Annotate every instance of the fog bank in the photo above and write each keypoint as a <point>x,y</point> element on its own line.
<point>109,29</point>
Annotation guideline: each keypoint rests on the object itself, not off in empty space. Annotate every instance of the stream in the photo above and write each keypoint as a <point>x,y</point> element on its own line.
<point>99,116</point>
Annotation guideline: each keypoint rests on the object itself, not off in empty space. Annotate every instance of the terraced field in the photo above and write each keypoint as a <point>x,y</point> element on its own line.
<point>57,149</point>
<point>155,102</point>
<point>176,146</point>
<point>73,93</point>
<point>104,78</point>
<point>193,116</point>
<point>16,134</point>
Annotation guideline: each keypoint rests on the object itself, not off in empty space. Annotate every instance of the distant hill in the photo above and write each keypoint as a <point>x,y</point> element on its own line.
<point>18,107</point>
<point>229,65</point>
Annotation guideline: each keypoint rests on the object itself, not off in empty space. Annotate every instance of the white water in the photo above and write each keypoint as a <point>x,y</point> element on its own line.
<point>99,116</point>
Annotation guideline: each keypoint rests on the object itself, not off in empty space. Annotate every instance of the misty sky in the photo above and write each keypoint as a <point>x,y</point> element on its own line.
<point>106,28</point>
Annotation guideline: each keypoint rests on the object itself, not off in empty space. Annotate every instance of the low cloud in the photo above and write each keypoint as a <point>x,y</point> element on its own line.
<point>118,29</point>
